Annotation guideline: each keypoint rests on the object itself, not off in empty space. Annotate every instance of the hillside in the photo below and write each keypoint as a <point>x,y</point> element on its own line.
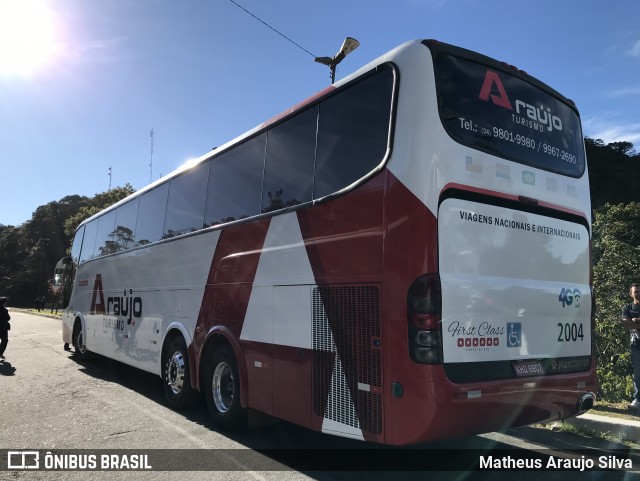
<point>614,172</point>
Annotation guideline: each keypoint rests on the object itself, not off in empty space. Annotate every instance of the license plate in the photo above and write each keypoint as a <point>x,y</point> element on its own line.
<point>528,368</point>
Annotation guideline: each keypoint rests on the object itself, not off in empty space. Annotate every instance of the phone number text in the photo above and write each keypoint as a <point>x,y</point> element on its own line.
<point>518,139</point>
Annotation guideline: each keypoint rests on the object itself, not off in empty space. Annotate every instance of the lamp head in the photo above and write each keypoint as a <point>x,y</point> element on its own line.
<point>348,46</point>
<point>324,60</point>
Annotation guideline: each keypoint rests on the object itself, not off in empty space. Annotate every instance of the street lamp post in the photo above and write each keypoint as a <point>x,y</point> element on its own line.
<point>348,46</point>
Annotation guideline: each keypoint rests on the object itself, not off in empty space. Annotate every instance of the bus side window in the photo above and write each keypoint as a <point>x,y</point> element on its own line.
<point>235,182</point>
<point>124,233</point>
<point>353,133</point>
<point>185,207</point>
<point>76,247</point>
<point>151,214</point>
<point>105,243</point>
<point>291,149</point>
<point>89,241</point>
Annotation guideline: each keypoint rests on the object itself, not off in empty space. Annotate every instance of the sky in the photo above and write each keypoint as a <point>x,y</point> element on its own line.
<point>84,82</point>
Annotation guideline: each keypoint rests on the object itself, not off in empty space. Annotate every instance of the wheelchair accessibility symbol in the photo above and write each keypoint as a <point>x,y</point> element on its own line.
<point>514,334</point>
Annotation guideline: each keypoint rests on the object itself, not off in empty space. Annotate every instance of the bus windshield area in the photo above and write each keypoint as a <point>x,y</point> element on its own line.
<point>499,113</point>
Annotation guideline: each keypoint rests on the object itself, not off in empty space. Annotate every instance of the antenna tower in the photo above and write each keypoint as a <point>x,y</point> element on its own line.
<point>151,159</point>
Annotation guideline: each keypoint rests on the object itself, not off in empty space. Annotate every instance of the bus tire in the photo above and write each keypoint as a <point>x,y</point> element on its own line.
<point>80,351</point>
<point>176,378</point>
<point>222,384</point>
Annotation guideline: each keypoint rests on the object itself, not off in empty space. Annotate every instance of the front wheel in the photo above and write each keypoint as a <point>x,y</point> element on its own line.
<point>222,384</point>
<point>80,351</point>
<point>176,377</point>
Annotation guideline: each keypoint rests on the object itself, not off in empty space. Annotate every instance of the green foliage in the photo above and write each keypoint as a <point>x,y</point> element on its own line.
<point>612,172</point>
<point>615,385</point>
<point>616,256</point>
<point>95,205</point>
<point>615,193</point>
<point>28,253</point>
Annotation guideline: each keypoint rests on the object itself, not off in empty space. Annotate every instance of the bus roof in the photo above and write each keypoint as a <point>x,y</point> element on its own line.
<point>434,45</point>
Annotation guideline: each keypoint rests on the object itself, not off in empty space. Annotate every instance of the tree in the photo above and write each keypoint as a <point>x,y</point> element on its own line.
<point>12,258</point>
<point>29,253</point>
<point>616,257</point>
<point>624,148</point>
<point>612,172</point>
<point>94,205</point>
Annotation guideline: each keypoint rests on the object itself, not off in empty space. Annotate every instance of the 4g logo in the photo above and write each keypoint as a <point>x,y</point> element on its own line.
<point>569,297</point>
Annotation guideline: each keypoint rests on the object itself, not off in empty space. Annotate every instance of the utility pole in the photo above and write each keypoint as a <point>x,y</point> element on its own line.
<point>151,161</point>
<point>109,178</point>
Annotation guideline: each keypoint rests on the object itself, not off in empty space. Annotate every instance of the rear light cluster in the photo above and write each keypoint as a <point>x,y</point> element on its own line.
<point>424,312</point>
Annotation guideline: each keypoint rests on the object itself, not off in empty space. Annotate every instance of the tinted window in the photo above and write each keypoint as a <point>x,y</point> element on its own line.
<point>89,241</point>
<point>126,217</point>
<point>235,183</point>
<point>153,206</point>
<point>501,114</point>
<point>76,247</point>
<point>105,236</point>
<point>353,131</point>
<point>185,208</point>
<point>291,148</point>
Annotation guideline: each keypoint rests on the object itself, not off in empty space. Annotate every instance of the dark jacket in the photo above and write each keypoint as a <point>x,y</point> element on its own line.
<point>4,319</point>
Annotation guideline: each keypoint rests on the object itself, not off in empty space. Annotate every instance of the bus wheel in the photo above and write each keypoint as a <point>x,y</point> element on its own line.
<point>175,374</point>
<point>223,390</point>
<point>80,351</point>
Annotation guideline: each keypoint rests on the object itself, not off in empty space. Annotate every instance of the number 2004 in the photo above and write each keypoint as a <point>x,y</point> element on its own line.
<point>570,332</point>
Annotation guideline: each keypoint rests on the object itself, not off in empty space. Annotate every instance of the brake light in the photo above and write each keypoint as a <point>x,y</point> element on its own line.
<point>424,315</point>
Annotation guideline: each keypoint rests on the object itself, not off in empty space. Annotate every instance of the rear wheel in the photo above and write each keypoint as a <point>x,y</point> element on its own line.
<point>222,384</point>
<point>176,377</point>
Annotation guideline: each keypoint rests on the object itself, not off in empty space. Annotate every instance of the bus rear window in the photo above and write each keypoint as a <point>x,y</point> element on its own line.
<point>501,114</point>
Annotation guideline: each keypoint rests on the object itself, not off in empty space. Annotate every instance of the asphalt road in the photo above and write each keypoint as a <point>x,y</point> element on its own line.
<point>51,403</point>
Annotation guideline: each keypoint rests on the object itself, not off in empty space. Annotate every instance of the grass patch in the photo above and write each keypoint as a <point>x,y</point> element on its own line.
<point>602,408</point>
<point>565,427</point>
<point>615,410</point>
<point>618,438</point>
<point>42,312</point>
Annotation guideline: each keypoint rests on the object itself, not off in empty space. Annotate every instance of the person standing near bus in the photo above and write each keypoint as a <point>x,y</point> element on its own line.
<point>631,322</point>
<point>4,326</point>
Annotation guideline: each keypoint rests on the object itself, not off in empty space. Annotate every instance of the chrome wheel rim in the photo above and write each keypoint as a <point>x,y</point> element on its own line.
<point>175,372</point>
<point>222,387</point>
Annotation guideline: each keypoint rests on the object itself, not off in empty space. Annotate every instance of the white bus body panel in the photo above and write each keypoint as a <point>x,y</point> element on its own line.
<point>167,279</point>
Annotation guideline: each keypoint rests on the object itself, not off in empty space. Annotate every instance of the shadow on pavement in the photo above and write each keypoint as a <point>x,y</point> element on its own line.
<point>6,369</point>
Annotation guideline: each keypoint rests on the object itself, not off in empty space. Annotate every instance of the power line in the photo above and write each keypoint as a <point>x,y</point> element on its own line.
<point>265,23</point>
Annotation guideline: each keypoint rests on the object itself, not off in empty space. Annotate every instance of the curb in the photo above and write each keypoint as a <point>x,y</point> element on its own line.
<point>36,313</point>
<point>626,429</point>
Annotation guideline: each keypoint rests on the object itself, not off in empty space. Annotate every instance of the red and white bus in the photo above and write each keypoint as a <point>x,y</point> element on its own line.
<point>405,256</point>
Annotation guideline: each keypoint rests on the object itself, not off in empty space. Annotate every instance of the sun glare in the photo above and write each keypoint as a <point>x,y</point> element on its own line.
<point>27,36</point>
